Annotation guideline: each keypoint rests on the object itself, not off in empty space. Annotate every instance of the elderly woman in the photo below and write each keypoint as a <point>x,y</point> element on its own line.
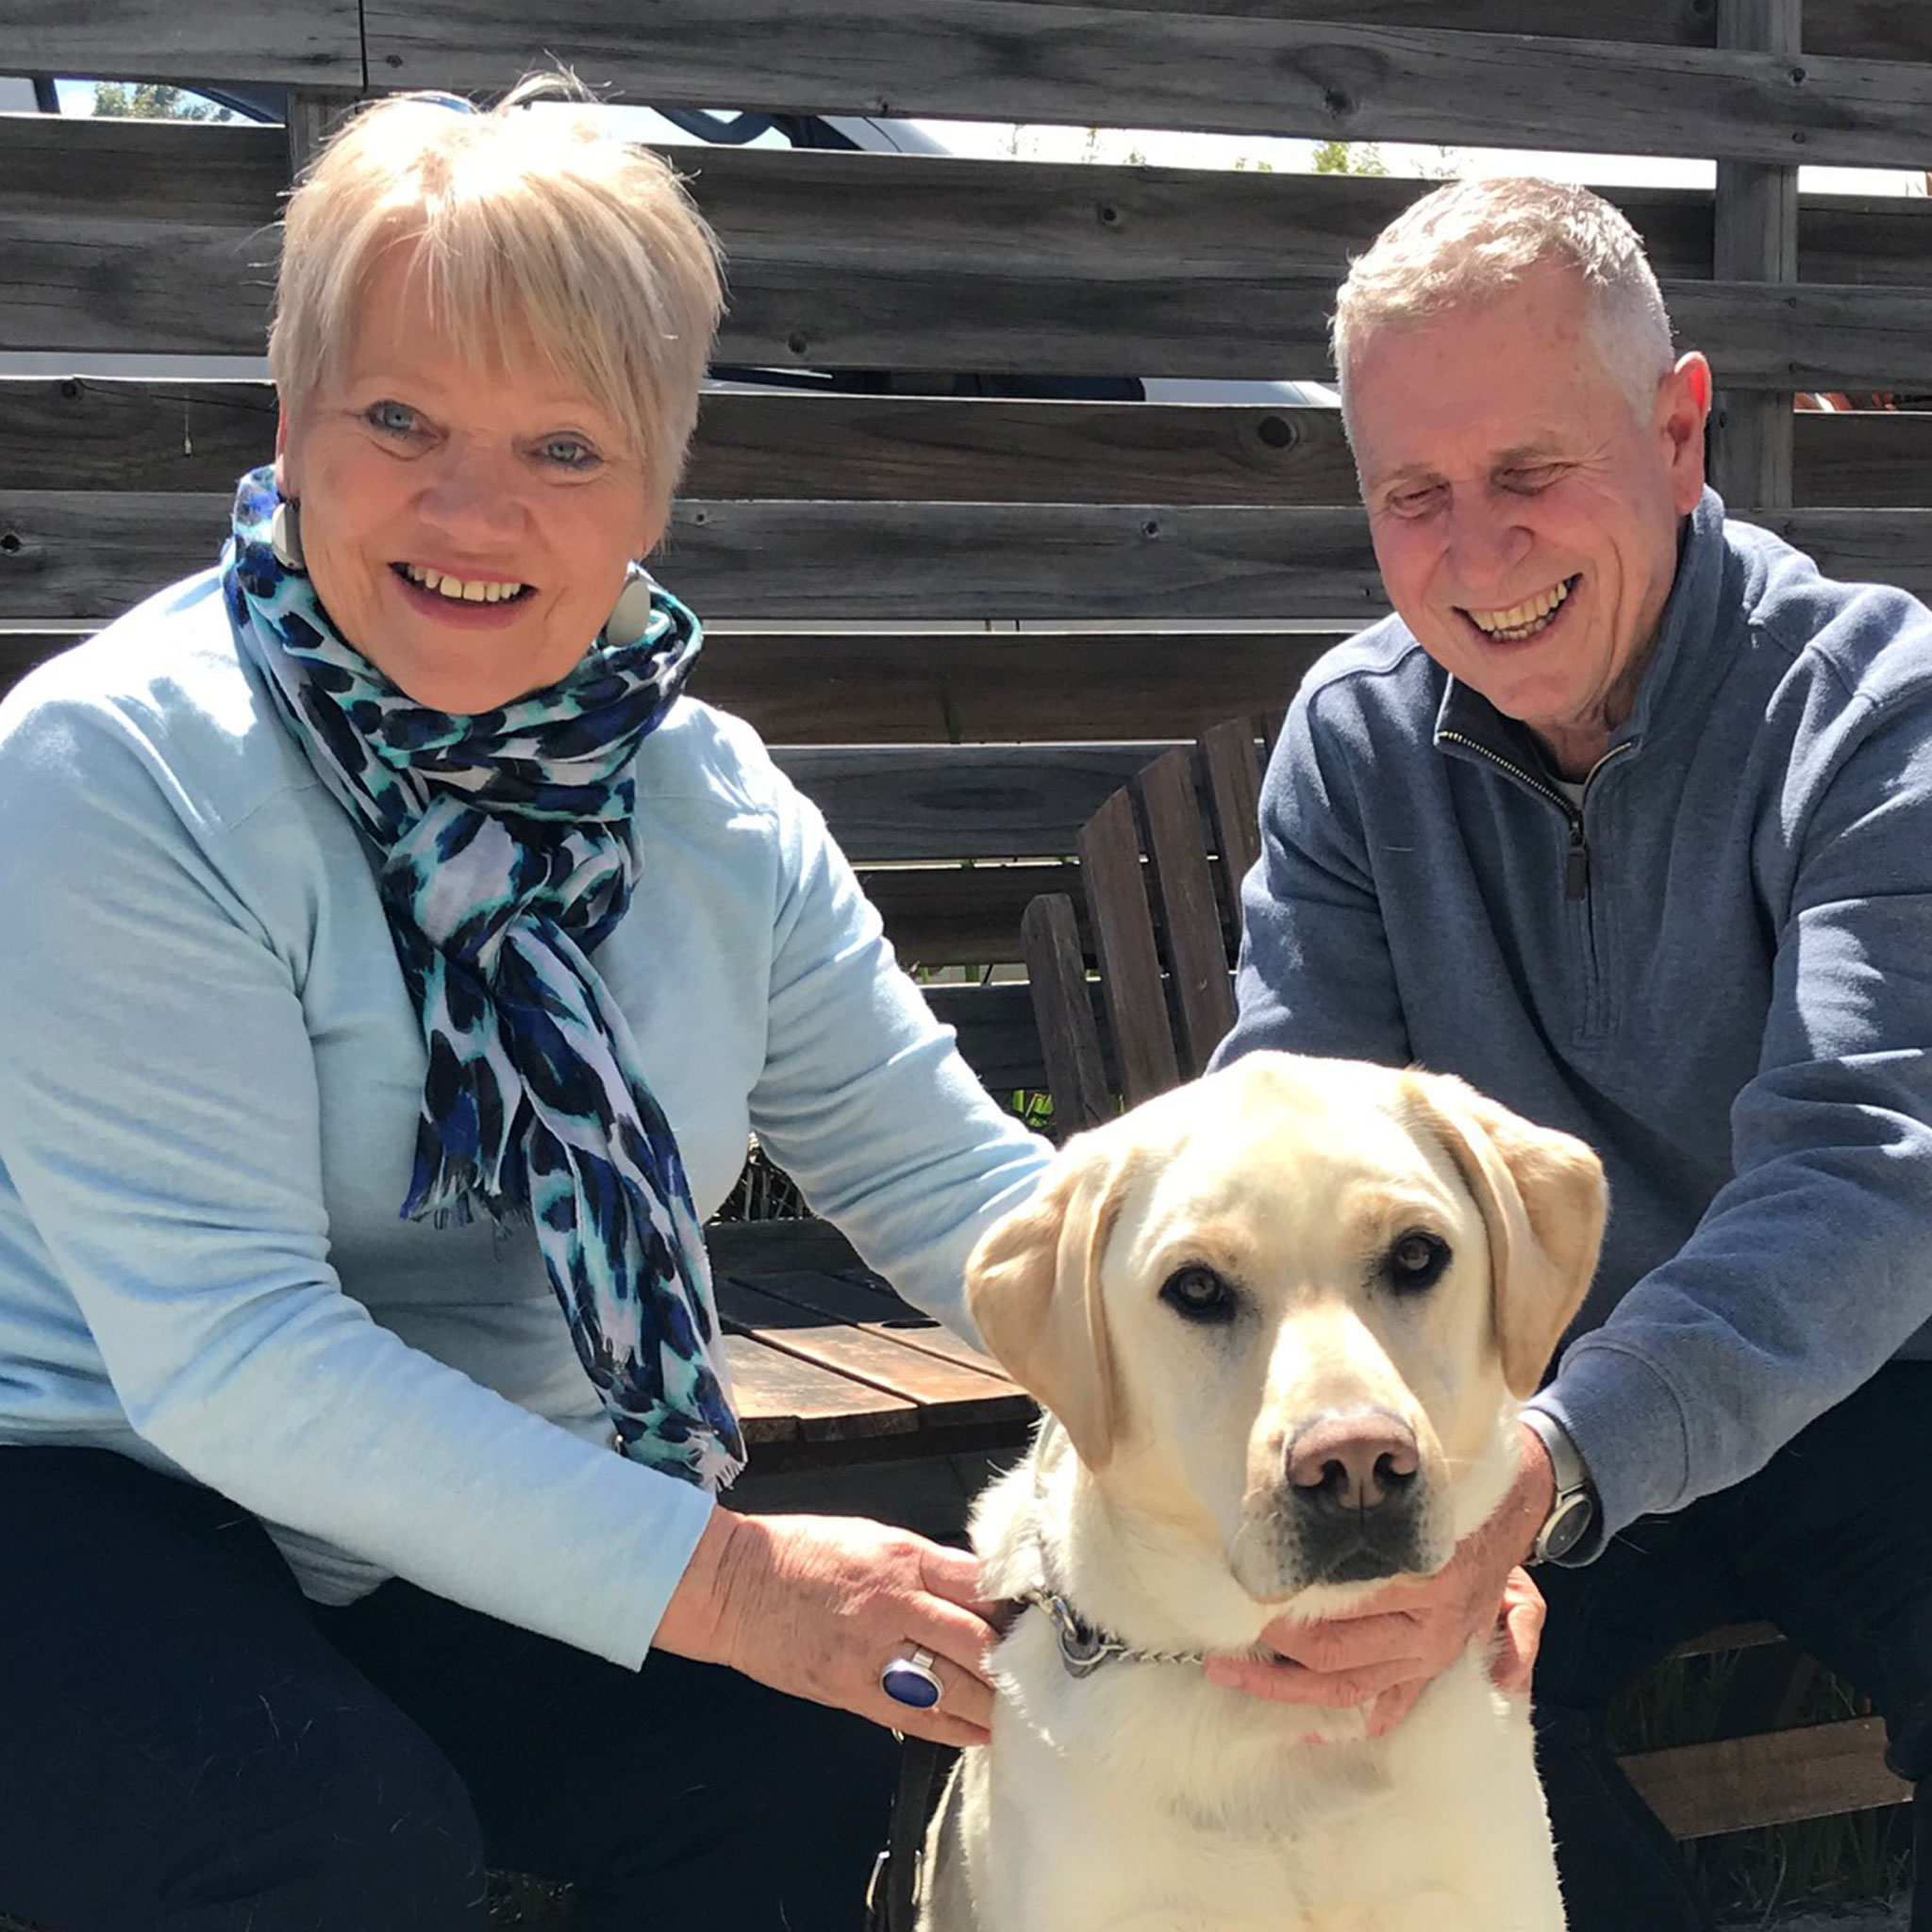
<point>394,963</point>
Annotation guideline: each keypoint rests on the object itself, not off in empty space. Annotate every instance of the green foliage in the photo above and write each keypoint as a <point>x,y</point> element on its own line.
<point>1338,157</point>
<point>148,100</point>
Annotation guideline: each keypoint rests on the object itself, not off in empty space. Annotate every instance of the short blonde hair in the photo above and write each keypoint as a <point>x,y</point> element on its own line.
<point>1468,244</point>
<point>522,217</point>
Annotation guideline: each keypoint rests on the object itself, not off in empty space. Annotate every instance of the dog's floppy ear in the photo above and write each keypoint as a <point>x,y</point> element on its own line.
<point>1033,1286</point>
<point>1543,1204</point>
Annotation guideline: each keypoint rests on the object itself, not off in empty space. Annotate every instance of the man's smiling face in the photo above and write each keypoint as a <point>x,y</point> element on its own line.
<point>1525,515</point>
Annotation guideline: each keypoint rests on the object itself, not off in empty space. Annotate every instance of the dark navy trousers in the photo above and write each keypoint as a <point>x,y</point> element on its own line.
<point>186,1744</point>
<point>1832,1541</point>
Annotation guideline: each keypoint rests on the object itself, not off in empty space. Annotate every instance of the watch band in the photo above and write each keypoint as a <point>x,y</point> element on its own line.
<point>1574,1511</point>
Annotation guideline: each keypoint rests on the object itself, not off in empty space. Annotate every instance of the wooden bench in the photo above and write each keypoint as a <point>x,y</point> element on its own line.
<point>833,1370</point>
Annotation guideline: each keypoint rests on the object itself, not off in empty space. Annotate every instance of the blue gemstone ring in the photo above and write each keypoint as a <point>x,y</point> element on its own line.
<point>911,1680</point>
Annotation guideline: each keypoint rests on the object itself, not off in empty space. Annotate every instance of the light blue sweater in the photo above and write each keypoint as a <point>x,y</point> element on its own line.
<point>209,1077</point>
<point>1718,973</point>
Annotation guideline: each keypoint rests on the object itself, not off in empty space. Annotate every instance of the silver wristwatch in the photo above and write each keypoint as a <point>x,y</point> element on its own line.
<point>1574,1510</point>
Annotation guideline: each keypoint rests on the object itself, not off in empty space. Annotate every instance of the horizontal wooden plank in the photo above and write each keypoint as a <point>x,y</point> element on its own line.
<point>960,915</point>
<point>1796,336</point>
<point>998,1036</point>
<point>183,42</point>
<point>73,433</point>
<point>781,1312</point>
<point>74,557</point>
<point>967,801</point>
<point>965,450</point>
<point>1727,1637</point>
<point>782,1398</point>
<point>1181,67</point>
<point>761,1247</point>
<point>1049,562</point>
<point>865,1301</point>
<point>912,688</point>
<point>82,170</point>
<point>1774,1778</point>
<point>1864,457</point>
<point>871,262</point>
<point>318,43</point>
<point>76,433</point>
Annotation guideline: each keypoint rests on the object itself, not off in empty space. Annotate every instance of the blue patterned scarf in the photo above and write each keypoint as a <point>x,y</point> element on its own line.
<point>507,858</point>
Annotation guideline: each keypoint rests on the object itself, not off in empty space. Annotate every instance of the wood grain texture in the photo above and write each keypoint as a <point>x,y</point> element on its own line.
<point>88,433</point>
<point>319,41</point>
<point>1233,772</point>
<point>996,1034</point>
<point>960,915</point>
<point>75,556</point>
<point>1063,1012</point>
<point>943,1393</point>
<point>1756,238</point>
<point>1130,979</point>
<point>1180,67</point>
<point>1191,930</point>
<point>319,45</point>
<point>782,1398</point>
<point>865,1301</point>
<point>893,802</point>
<point>949,688</point>
<point>848,261</point>
<point>1701,1789</point>
<point>868,1307</point>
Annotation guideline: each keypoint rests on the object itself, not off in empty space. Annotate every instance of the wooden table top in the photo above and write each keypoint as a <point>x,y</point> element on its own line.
<point>831,1367</point>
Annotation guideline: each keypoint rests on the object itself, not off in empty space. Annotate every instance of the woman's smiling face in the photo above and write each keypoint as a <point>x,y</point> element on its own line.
<point>467,525</point>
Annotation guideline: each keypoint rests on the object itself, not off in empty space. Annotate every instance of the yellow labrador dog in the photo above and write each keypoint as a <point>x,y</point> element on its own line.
<point>1281,1319</point>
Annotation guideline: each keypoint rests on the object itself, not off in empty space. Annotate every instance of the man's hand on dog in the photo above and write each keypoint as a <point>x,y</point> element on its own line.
<point>1383,1653</point>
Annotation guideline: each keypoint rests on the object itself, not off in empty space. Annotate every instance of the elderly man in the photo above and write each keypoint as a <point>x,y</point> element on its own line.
<point>1625,816</point>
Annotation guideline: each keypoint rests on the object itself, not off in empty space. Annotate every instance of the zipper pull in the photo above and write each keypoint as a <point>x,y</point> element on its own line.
<point>1577,864</point>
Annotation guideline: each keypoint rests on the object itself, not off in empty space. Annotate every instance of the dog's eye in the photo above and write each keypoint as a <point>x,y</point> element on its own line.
<point>1415,1260</point>
<point>1199,1294</point>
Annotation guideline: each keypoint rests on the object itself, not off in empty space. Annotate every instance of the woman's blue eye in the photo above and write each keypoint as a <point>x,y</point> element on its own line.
<point>395,419</point>
<point>570,451</point>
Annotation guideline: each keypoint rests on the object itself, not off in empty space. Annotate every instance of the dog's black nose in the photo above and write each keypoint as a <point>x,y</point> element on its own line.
<point>1350,1464</point>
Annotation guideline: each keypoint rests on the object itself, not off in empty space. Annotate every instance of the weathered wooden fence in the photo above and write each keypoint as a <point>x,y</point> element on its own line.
<point>1174,563</point>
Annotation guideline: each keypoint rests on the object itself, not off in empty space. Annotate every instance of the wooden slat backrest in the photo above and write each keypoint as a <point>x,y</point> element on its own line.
<point>1069,1039</point>
<point>1190,814</point>
<point>1233,776</point>
<point>1203,1008</point>
<point>1110,850</point>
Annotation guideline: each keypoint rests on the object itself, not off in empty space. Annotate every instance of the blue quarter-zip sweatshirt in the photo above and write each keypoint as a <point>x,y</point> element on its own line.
<point>1717,970</point>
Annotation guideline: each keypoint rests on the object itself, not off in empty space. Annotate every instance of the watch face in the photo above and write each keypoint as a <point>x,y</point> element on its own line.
<point>1568,1522</point>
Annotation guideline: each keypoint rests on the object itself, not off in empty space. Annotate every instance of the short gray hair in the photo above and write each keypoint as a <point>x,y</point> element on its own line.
<point>1467,243</point>
<point>522,220</point>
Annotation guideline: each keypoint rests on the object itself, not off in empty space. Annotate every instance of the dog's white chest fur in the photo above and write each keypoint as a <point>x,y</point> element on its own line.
<point>1143,1798</point>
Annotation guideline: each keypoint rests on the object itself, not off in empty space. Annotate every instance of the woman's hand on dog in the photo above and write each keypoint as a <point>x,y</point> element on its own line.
<point>818,1605</point>
<point>1383,1653</point>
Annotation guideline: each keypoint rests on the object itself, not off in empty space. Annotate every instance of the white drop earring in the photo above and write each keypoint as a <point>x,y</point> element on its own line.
<point>630,616</point>
<point>285,535</point>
